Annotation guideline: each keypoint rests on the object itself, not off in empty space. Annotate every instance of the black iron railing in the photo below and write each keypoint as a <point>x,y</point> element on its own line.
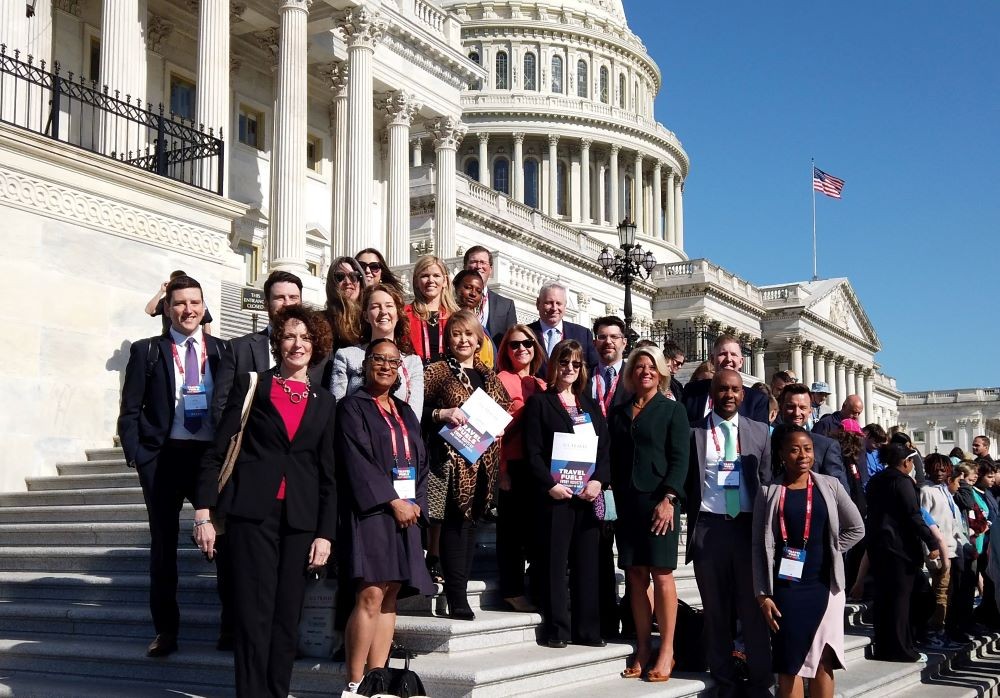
<point>74,110</point>
<point>695,343</point>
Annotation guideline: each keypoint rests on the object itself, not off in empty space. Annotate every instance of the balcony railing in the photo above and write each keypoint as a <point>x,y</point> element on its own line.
<point>695,343</point>
<point>73,110</point>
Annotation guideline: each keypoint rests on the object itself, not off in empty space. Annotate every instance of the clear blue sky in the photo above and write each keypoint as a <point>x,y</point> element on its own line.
<point>901,98</point>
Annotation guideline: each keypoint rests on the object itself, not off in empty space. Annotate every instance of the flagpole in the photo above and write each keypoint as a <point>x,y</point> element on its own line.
<point>812,187</point>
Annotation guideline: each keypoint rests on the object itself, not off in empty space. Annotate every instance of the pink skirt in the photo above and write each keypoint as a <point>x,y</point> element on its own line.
<point>830,633</point>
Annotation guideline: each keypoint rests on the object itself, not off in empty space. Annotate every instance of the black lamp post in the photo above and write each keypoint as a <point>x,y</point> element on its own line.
<point>624,264</point>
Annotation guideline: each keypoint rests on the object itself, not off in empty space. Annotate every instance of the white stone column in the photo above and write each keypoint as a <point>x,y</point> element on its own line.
<point>679,213</point>
<point>418,152</point>
<point>841,383</point>
<point>820,366</point>
<point>658,200</point>
<point>338,117</point>
<point>123,64</point>
<point>448,132</point>
<point>808,363</point>
<point>602,175</point>
<point>615,213</point>
<point>931,441</point>
<point>287,241</point>
<point>869,392</point>
<point>758,360</point>
<point>16,30</point>
<point>399,108</point>
<point>671,207</point>
<point>637,196</point>
<point>517,173</point>
<point>212,90</point>
<point>362,30</point>
<point>831,379</point>
<point>795,344</point>
<point>585,213</point>
<point>484,159</point>
<point>553,175</point>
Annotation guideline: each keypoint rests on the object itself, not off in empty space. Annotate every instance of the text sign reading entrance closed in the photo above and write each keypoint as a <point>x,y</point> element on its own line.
<point>252,299</point>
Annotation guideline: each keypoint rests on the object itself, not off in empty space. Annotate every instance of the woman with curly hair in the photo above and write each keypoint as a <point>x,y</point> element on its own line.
<point>433,302</point>
<point>459,492</point>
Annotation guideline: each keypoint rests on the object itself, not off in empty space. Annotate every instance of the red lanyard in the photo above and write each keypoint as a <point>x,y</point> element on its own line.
<point>809,513</point>
<point>392,432</point>
<point>177,358</point>
<point>605,401</point>
<point>427,339</point>
<point>715,438</point>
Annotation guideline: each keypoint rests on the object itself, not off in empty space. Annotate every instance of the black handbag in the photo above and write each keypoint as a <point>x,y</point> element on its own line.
<point>688,646</point>
<point>398,682</point>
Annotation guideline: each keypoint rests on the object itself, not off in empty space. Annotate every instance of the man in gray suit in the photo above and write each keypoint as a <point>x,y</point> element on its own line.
<point>497,313</point>
<point>795,407</point>
<point>730,460</point>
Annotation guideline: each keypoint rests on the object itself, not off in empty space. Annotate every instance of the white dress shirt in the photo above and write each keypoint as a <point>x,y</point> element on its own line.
<point>177,430</point>
<point>713,497</point>
<point>599,376</point>
<point>556,337</point>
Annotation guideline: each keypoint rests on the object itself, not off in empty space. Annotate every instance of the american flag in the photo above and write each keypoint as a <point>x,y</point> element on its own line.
<point>827,183</point>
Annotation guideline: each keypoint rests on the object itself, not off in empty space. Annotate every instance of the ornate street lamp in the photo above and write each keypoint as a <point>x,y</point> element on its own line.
<point>626,263</point>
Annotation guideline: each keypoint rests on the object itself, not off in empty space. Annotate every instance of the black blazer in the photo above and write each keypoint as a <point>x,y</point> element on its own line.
<point>570,331</point>
<point>829,460</point>
<point>147,405</point>
<point>543,416</point>
<point>306,462</point>
<point>894,521</point>
<point>501,318</point>
<point>621,396</point>
<point>754,405</point>
<point>248,353</point>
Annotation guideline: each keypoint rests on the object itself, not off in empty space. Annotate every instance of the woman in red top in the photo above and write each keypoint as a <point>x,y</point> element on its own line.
<point>518,360</point>
<point>433,302</point>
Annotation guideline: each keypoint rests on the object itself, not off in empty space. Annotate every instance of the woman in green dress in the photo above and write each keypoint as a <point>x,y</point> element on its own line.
<point>650,440</point>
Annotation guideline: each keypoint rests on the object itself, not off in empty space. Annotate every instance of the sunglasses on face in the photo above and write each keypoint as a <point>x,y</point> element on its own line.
<point>373,267</point>
<point>521,344</point>
<point>567,362</point>
<point>342,276</point>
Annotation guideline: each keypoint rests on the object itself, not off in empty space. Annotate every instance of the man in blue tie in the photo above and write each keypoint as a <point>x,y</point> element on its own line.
<point>730,460</point>
<point>550,328</point>
<point>165,427</point>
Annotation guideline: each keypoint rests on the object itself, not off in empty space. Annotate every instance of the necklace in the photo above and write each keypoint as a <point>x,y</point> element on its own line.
<point>294,398</point>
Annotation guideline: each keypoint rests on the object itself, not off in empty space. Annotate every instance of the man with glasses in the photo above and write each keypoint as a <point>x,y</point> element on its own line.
<point>675,360</point>
<point>496,312</point>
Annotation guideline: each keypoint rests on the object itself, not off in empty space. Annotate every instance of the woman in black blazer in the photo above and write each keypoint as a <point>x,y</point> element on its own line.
<point>280,504</point>
<point>571,532</point>
<point>894,533</point>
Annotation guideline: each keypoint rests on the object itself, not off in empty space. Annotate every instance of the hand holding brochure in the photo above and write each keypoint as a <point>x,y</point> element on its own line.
<point>484,420</point>
<point>574,457</point>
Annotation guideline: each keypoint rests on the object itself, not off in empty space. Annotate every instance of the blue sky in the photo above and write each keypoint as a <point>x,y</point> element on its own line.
<point>901,98</point>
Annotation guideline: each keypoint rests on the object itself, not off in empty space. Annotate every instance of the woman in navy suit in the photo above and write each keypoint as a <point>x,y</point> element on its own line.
<point>280,504</point>
<point>384,495</point>
<point>571,531</point>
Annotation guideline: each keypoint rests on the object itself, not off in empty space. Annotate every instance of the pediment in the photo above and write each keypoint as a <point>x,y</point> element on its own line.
<point>835,302</point>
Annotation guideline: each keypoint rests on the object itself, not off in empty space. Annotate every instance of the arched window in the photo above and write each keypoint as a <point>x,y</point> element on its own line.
<point>561,188</point>
<point>628,198</point>
<point>502,82</point>
<point>530,71</point>
<point>604,84</point>
<point>531,183</point>
<point>475,84</point>
<point>472,169</point>
<point>501,175</point>
<point>635,99</point>
<point>582,89</point>
<point>622,91</point>
<point>557,74</point>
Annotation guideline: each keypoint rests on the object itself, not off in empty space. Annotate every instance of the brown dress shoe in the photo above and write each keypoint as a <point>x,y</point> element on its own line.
<point>162,645</point>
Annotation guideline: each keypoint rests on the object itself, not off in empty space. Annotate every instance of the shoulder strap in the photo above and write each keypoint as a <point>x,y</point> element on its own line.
<point>248,400</point>
<point>233,451</point>
<point>152,356</point>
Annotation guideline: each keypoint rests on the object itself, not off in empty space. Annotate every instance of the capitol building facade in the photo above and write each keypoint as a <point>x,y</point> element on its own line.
<point>295,131</point>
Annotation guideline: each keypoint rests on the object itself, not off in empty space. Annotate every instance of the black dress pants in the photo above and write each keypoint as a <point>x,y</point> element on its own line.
<point>517,532</point>
<point>269,576</point>
<point>224,584</point>
<point>458,549</point>
<point>894,579</point>
<point>572,534</point>
<point>166,482</point>
<point>607,583</point>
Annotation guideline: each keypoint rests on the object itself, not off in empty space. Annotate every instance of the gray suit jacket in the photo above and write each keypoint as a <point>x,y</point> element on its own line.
<point>348,376</point>
<point>502,316</point>
<point>755,457</point>
<point>845,530</point>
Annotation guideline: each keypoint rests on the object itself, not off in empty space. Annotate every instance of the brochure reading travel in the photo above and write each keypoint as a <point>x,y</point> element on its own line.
<point>574,457</point>
<point>485,418</point>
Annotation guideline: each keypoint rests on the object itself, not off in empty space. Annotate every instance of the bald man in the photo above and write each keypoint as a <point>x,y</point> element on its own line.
<point>831,423</point>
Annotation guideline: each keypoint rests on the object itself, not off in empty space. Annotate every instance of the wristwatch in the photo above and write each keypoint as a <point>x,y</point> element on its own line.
<point>671,497</point>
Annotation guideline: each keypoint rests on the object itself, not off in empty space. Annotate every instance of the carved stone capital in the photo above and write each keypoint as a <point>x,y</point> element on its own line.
<point>657,166</point>
<point>585,143</point>
<point>157,31</point>
<point>269,40</point>
<point>795,342</point>
<point>583,300</point>
<point>448,132</point>
<point>361,27</point>
<point>614,150</point>
<point>484,138</point>
<point>294,5</point>
<point>610,309</point>
<point>553,139</point>
<point>399,108</point>
<point>70,6</point>
<point>236,10</point>
<point>518,137</point>
<point>234,66</point>
<point>336,75</point>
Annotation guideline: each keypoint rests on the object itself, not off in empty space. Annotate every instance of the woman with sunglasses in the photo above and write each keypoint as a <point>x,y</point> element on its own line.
<point>343,289</point>
<point>469,288</point>
<point>570,532</point>
<point>380,319</point>
<point>517,362</point>
<point>375,269</point>
<point>459,492</point>
<point>432,304</point>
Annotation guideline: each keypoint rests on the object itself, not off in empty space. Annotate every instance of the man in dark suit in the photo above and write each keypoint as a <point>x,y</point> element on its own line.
<point>726,353</point>
<point>730,460</point>
<point>165,427</point>
<point>497,312</point>
<point>550,328</point>
<point>795,407</point>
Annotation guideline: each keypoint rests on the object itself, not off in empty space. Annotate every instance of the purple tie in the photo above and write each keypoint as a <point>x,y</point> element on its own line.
<point>192,376</point>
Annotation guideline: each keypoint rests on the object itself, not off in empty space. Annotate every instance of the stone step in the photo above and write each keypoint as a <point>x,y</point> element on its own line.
<point>28,685</point>
<point>197,590</point>
<point>482,594</point>
<point>101,513</point>
<point>121,533</point>
<point>115,453</point>
<point>95,560</point>
<point>74,497</point>
<point>434,634</point>
<point>92,467</point>
<point>82,482</point>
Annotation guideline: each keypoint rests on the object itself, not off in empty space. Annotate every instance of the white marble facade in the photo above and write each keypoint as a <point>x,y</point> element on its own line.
<point>940,420</point>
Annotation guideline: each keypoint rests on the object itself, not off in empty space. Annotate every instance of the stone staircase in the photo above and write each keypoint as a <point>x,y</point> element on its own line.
<point>74,619</point>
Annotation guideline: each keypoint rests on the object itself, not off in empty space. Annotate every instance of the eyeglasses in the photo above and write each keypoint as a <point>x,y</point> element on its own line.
<point>383,360</point>
<point>373,267</point>
<point>521,344</point>
<point>567,363</point>
<point>292,338</point>
<point>342,276</point>
<point>677,363</point>
<point>609,337</point>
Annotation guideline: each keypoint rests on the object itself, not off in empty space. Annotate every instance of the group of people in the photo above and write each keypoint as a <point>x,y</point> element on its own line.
<point>320,440</point>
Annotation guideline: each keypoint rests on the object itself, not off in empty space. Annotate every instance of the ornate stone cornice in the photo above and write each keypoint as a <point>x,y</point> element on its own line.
<point>362,28</point>
<point>69,6</point>
<point>399,107</point>
<point>420,59</point>
<point>157,31</point>
<point>448,131</point>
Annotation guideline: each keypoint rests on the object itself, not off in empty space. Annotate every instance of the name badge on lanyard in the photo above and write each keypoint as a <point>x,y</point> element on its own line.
<point>793,560</point>
<point>404,477</point>
<point>729,473</point>
<point>194,398</point>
